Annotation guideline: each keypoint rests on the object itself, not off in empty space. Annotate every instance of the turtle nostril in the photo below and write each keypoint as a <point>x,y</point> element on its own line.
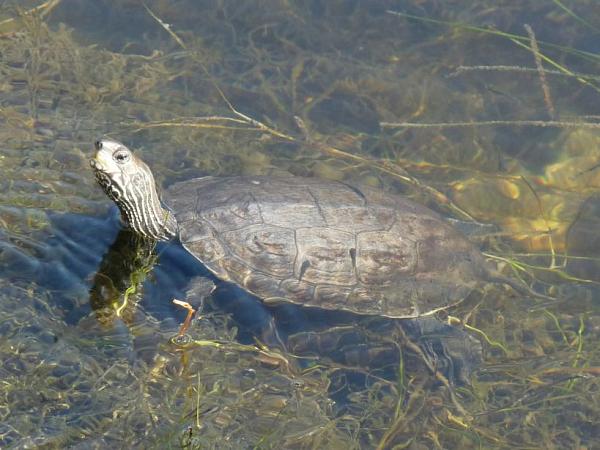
<point>98,145</point>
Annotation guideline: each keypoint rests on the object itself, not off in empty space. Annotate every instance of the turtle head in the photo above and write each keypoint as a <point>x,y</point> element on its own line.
<point>128,181</point>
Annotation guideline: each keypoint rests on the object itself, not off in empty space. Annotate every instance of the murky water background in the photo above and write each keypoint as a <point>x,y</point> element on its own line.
<point>441,101</point>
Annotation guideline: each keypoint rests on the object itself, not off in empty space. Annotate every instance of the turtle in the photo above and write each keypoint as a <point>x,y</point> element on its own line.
<point>316,243</point>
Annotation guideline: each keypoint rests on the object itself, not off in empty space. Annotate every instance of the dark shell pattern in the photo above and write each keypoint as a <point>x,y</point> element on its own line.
<point>325,244</point>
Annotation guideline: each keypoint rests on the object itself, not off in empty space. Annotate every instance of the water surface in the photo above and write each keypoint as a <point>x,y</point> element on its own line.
<point>486,112</point>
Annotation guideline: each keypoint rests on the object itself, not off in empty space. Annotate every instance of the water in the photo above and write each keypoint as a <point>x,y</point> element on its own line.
<point>86,319</point>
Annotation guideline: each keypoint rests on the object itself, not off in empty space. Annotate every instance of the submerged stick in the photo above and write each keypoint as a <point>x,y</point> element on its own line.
<point>521,123</point>
<point>188,320</point>
<point>503,68</point>
<point>540,68</point>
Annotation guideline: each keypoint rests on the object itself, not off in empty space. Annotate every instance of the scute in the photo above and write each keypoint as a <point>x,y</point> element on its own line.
<point>266,248</point>
<point>210,249</point>
<point>236,211</point>
<point>326,244</point>
<point>385,257</point>
<point>324,256</point>
<point>357,219</point>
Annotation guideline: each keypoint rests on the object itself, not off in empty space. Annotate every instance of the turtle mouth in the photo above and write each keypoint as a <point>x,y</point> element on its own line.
<point>99,164</point>
<point>96,163</point>
<point>102,176</point>
<point>97,167</point>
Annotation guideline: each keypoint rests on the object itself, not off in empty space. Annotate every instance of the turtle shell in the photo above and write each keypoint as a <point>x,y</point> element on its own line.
<point>325,244</point>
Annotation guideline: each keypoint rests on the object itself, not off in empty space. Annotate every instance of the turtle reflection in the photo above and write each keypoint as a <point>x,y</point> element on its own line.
<point>117,286</point>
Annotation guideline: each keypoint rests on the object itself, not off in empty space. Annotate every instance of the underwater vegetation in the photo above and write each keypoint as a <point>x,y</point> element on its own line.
<point>484,111</point>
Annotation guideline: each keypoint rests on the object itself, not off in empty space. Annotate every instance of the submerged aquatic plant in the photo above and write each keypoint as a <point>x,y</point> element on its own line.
<point>509,139</point>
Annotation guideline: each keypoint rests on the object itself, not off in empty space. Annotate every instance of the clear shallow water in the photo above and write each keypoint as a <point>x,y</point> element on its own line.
<point>73,374</point>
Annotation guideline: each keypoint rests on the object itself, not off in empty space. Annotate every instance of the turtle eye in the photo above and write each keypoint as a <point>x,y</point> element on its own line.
<point>121,156</point>
<point>98,145</point>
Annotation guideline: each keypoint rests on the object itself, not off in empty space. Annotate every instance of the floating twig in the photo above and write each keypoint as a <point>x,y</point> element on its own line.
<point>188,320</point>
<point>165,26</point>
<point>483,123</point>
<point>501,68</point>
<point>540,68</point>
